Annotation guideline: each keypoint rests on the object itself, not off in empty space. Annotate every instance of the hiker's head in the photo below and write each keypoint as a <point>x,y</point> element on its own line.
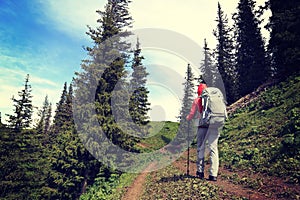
<point>201,87</point>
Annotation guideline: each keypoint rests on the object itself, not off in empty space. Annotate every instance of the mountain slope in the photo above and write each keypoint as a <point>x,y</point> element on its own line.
<point>265,135</point>
<point>259,153</point>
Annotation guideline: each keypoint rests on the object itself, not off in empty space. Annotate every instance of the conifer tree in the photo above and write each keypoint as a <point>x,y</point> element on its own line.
<point>188,93</point>
<point>72,166</point>
<point>24,168</point>
<point>64,112</point>
<point>251,63</point>
<point>187,102</point>
<point>45,117</point>
<point>69,121</point>
<point>208,69</point>
<point>285,37</point>
<point>139,105</point>
<point>105,69</point>
<point>48,117</point>
<point>60,112</point>
<point>24,165</point>
<point>96,84</point>
<point>23,108</point>
<point>224,53</point>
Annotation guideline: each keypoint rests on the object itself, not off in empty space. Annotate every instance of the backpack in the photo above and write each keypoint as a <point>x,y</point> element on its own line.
<point>214,108</point>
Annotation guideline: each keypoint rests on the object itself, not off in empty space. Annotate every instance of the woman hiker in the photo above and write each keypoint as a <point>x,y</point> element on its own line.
<point>205,133</point>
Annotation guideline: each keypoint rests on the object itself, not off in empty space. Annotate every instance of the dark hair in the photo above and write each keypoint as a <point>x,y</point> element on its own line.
<point>201,80</point>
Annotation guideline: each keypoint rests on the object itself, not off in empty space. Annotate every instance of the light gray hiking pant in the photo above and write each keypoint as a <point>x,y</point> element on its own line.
<point>211,135</point>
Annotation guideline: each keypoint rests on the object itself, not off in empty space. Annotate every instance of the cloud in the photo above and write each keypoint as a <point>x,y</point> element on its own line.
<point>41,64</point>
<point>165,84</point>
<point>72,17</point>
<point>165,104</point>
<point>193,18</point>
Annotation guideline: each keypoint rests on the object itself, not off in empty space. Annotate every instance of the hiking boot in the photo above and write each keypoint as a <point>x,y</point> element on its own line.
<point>212,178</point>
<point>200,175</point>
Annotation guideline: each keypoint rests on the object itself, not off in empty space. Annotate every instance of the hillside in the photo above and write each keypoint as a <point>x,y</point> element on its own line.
<point>259,157</point>
<point>265,135</point>
<point>259,154</point>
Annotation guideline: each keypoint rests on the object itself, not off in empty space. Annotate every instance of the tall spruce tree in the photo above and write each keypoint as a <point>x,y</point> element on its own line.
<point>105,69</point>
<point>103,78</point>
<point>251,63</point>
<point>224,53</point>
<point>187,102</point>
<point>64,112</point>
<point>188,94</point>
<point>48,116</point>
<point>285,37</point>
<point>139,105</point>
<point>23,108</point>
<point>43,125</point>
<point>72,166</point>
<point>60,112</point>
<point>208,70</point>
<point>69,121</point>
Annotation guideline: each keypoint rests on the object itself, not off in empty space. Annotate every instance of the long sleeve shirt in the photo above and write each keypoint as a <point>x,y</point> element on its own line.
<point>196,106</point>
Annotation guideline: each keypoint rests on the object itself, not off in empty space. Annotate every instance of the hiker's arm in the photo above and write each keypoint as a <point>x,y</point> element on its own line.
<point>195,107</point>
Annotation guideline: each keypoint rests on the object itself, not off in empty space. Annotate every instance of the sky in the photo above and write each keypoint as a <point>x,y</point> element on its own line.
<point>45,39</point>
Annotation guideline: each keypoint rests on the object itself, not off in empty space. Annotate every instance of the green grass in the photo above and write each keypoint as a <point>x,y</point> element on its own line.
<point>170,183</point>
<point>113,188</point>
<point>265,136</point>
<point>126,180</point>
<point>161,134</point>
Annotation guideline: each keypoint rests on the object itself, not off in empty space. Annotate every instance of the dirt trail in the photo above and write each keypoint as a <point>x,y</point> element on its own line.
<point>135,191</point>
<point>226,185</point>
<point>269,187</point>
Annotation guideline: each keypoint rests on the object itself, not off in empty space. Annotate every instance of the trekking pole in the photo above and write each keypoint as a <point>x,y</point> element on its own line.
<point>188,156</point>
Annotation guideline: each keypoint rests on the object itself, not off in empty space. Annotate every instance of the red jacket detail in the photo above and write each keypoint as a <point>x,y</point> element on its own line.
<point>197,103</point>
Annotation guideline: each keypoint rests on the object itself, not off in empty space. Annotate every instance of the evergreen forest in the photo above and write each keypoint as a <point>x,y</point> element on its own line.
<point>50,158</point>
